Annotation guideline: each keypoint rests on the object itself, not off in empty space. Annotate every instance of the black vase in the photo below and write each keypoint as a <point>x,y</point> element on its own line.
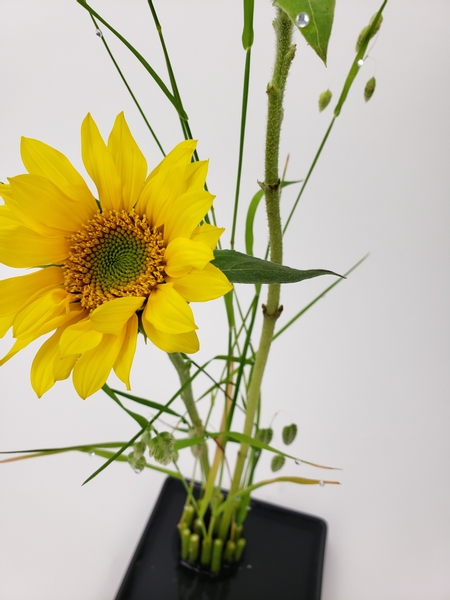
<point>283,559</point>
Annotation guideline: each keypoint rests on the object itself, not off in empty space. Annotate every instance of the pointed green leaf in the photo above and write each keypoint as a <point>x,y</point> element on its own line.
<point>318,30</point>
<point>241,268</point>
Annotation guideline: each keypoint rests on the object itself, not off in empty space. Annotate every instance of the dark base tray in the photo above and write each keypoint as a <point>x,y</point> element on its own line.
<point>283,559</point>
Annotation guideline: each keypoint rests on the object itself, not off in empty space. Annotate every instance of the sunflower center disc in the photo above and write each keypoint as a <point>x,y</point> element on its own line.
<point>116,254</point>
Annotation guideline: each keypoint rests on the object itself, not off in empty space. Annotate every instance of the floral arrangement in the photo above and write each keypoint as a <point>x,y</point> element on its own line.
<point>133,257</point>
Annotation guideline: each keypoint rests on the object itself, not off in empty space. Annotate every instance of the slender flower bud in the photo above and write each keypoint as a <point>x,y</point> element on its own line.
<point>363,35</point>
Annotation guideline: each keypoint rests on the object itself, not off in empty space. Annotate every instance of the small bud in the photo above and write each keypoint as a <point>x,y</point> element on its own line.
<point>369,89</point>
<point>139,448</point>
<point>324,100</point>
<point>147,436</point>
<point>265,435</point>
<point>362,38</point>
<point>161,448</point>
<point>277,463</point>
<point>289,433</point>
<point>136,463</point>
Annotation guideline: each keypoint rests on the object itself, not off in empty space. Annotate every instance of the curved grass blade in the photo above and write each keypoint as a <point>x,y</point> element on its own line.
<point>173,100</point>
<point>140,420</point>
<point>300,480</point>
<point>151,404</point>
<point>317,298</point>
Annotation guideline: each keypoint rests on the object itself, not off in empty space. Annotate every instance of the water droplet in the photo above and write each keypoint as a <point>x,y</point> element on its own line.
<point>249,567</point>
<point>249,508</point>
<point>302,19</point>
<point>137,470</point>
<point>91,454</point>
<point>360,62</point>
<point>298,461</point>
<point>98,33</point>
<point>322,482</point>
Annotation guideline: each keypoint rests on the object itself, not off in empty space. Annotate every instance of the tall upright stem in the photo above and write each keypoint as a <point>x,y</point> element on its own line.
<point>285,52</point>
<point>183,369</point>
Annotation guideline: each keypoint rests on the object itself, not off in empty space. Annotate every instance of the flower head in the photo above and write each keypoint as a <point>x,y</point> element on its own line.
<point>131,260</point>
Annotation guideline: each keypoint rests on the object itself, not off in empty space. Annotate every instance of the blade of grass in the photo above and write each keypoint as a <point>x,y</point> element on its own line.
<point>321,295</point>
<point>174,101</point>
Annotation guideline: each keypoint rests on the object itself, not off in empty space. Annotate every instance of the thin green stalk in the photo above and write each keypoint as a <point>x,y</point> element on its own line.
<point>241,142</point>
<point>183,369</point>
<point>284,55</point>
<point>311,169</point>
<point>122,76</point>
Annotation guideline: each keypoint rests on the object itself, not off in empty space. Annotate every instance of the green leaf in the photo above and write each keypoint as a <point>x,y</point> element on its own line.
<point>140,420</point>
<point>317,32</point>
<point>150,404</point>
<point>242,268</point>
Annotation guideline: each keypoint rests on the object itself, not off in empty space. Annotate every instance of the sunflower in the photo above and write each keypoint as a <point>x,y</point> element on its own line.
<point>105,269</point>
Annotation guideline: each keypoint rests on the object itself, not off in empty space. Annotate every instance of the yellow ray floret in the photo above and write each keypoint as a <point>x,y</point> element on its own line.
<point>131,260</point>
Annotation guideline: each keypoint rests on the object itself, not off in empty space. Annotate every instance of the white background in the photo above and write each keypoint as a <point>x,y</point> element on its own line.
<point>365,374</point>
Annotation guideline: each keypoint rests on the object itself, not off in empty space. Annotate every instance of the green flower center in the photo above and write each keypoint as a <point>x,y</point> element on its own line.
<point>116,254</point>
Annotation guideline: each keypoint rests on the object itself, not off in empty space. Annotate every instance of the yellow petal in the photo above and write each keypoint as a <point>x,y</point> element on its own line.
<point>182,254</point>
<point>200,286</point>
<point>63,319</point>
<point>21,247</point>
<point>122,366</point>
<point>112,316</point>
<point>44,208</point>
<point>208,234</point>
<point>100,166</point>
<point>168,311</point>
<point>172,342</point>
<point>18,291</point>
<point>39,312</point>
<point>48,367</point>
<point>93,368</point>
<point>5,324</point>
<point>166,182</point>
<point>43,160</point>
<point>79,338</point>
<point>129,160</point>
<point>196,175</point>
<point>185,214</point>
<point>17,347</point>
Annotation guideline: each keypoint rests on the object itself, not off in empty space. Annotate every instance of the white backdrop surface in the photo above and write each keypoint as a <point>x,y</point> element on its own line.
<point>365,374</point>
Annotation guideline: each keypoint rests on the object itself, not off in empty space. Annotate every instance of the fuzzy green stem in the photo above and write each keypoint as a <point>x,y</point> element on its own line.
<point>183,369</point>
<point>285,52</point>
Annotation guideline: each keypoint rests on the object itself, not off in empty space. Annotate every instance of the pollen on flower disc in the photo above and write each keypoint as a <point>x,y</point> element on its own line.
<point>115,254</point>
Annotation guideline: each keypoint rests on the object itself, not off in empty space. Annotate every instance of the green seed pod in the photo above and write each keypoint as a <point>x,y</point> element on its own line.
<point>362,38</point>
<point>205,557</point>
<point>324,100</point>
<point>230,549</point>
<point>369,89</point>
<point>139,448</point>
<point>265,435</point>
<point>185,535</point>
<point>194,547</point>
<point>197,527</point>
<point>216,559</point>
<point>161,448</point>
<point>277,462</point>
<point>136,463</point>
<point>240,545</point>
<point>289,433</point>
<point>147,436</point>
<point>187,516</point>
